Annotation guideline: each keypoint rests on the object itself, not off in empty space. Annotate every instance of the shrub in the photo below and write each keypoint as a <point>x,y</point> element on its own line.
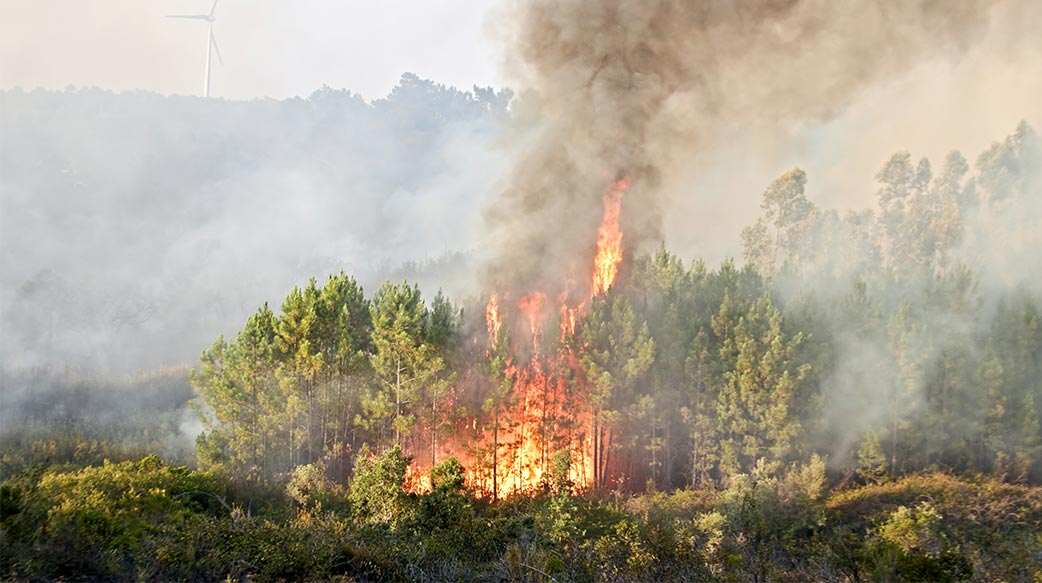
<point>377,492</point>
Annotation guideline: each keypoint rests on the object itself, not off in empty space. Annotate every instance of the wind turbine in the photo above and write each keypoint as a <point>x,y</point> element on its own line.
<point>211,42</point>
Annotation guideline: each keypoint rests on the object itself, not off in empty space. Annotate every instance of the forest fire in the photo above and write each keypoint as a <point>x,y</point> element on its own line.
<point>542,407</point>
<point>827,374</point>
<point>539,401</point>
<point>532,307</point>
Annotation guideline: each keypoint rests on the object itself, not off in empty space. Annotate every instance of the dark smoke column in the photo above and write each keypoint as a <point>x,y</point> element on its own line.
<point>613,88</point>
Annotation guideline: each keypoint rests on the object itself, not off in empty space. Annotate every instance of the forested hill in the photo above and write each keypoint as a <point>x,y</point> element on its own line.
<point>859,402</point>
<point>135,226</point>
<point>888,341</point>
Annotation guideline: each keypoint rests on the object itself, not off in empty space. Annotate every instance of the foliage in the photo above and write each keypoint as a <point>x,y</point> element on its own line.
<point>378,487</point>
<point>150,520</point>
<point>97,522</point>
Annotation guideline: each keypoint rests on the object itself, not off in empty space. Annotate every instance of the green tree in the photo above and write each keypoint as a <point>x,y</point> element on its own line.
<point>782,232</point>
<point>1008,169</point>
<point>903,395</point>
<point>699,413</point>
<point>377,490</point>
<point>300,362</point>
<point>443,324</point>
<point>343,335</point>
<point>755,406</point>
<point>1010,399</point>
<point>616,351</point>
<point>897,179</point>
<point>237,387</point>
<point>668,301</point>
<point>872,464</point>
<point>404,361</point>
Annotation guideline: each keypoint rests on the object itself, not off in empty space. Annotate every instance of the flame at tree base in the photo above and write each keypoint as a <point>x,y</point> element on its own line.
<point>541,407</point>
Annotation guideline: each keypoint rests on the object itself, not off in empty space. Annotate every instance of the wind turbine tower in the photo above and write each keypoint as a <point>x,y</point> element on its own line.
<point>211,42</point>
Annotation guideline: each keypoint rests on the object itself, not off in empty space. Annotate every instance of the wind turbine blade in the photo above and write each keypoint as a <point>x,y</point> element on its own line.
<point>189,16</point>
<point>213,40</point>
<point>212,8</point>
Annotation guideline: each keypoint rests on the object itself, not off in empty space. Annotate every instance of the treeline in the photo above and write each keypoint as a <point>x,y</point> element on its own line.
<point>923,315</point>
<point>888,342</point>
<point>62,418</point>
<point>332,371</point>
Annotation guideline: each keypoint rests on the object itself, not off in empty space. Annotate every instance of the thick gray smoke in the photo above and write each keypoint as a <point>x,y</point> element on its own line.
<point>638,87</point>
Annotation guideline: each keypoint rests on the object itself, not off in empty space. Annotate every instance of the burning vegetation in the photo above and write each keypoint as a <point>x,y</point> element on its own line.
<point>773,435</point>
<point>550,410</point>
<point>540,403</point>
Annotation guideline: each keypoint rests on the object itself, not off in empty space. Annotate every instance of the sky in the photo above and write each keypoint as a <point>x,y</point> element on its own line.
<point>270,48</point>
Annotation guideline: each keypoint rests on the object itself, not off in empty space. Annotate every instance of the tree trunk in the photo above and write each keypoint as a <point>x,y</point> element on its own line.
<point>893,445</point>
<point>654,455</point>
<point>495,457</point>
<point>668,451</point>
<point>397,401</point>
<point>596,451</point>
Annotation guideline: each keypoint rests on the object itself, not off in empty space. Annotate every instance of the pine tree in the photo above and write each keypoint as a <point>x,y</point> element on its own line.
<point>616,351</point>
<point>404,361</point>
<point>442,333</point>
<point>237,385</point>
<point>755,406</point>
<point>300,364</point>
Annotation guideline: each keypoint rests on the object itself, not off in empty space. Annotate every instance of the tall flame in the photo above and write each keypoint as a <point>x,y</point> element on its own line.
<point>609,240</point>
<point>493,319</point>
<point>532,307</point>
<point>569,315</point>
<point>548,409</point>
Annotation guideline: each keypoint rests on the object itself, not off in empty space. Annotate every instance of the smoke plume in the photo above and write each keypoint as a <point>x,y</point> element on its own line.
<point>636,88</point>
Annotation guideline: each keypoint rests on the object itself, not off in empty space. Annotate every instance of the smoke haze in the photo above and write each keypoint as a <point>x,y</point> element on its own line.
<point>701,103</point>
<point>674,93</point>
<point>136,227</point>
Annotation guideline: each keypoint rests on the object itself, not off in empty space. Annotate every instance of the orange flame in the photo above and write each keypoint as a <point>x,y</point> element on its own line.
<point>493,320</point>
<point>532,307</point>
<point>509,449</point>
<point>609,240</point>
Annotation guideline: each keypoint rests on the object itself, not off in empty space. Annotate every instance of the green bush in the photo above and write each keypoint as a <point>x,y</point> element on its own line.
<point>377,490</point>
<point>101,521</point>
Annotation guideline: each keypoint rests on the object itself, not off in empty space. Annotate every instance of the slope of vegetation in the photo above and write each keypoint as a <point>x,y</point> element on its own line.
<point>860,402</point>
<point>149,520</point>
<point>57,418</point>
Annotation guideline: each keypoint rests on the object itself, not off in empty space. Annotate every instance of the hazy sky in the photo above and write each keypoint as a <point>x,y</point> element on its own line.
<point>270,47</point>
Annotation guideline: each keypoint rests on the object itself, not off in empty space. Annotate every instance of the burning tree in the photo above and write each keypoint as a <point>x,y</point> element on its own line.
<point>547,395</point>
